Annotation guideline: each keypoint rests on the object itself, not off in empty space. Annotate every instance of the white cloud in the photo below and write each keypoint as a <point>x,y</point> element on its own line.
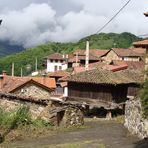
<point>34,22</point>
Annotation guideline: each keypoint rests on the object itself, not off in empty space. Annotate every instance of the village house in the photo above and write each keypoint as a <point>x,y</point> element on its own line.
<point>61,87</point>
<point>56,62</point>
<point>37,87</point>
<point>122,54</point>
<point>144,45</point>
<point>79,57</point>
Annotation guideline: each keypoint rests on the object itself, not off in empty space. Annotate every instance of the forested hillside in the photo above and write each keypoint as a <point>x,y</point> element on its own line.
<point>7,49</point>
<point>26,58</point>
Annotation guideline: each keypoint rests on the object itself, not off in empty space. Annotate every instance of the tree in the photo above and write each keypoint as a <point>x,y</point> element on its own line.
<point>144,98</point>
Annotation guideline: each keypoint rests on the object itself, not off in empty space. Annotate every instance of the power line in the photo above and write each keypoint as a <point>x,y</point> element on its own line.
<point>114,16</point>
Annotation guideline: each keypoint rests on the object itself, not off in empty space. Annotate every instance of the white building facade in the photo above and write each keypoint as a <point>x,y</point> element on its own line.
<point>57,62</point>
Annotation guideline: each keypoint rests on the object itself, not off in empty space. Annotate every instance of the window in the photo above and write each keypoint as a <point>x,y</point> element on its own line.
<point>55,68</point>
<point>51,61</point>
<point>60,67</point>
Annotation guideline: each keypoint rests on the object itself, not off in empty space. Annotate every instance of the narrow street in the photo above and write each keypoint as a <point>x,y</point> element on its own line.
<point>97,134</point>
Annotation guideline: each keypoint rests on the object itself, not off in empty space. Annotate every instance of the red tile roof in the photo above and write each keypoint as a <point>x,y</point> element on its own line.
<point>94,52</point>
<point>125,52</point>
<point>101,76</point>
<point>59,74</point>
<point>12,83</point>
<point>91,66</point>
<point>141,51</point>
<point>115,68</point>
<point>56,56</point>
<point>137,65</point>
<point>141,43</point>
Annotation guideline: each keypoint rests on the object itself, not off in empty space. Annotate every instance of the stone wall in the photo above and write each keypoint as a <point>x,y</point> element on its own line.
<point>32,90</point>
<point>133,118</point>
<point>9,105</point>
<point>56,112</point>
<point>73,116</point>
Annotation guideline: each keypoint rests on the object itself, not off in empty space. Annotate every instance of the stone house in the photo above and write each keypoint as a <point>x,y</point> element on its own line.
<point>39,87</point>
<point>121,54</point>
<point>56,62</point>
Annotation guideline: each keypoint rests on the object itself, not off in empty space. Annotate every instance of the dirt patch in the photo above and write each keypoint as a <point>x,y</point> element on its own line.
<point>110,134</point>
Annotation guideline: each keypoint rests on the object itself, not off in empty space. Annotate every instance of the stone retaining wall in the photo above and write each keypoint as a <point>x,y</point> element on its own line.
<point>133,119</point>
<point>12,104</point>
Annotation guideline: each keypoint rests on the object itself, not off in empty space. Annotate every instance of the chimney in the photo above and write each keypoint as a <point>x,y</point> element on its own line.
<point>76,60</point>
<point>4,73</point>
<point>87,56</point>
<point>1,81</point>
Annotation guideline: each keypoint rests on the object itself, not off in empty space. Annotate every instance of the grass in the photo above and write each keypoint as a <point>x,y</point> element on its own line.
<point>18,124</point>
<point>81,144</point>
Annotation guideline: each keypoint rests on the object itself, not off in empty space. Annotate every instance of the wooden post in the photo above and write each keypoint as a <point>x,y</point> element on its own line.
<point>109,114</point>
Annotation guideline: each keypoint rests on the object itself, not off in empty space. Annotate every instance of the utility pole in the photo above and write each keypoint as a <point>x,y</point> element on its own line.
<point>36,64</point>
<point>87,56</point>
<point>12,70</point>
<point>21,72</point>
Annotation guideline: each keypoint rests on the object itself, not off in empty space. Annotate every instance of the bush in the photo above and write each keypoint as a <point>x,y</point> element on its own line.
<point>144,98</point>
<point>41,123</point>
<point>12,119</point>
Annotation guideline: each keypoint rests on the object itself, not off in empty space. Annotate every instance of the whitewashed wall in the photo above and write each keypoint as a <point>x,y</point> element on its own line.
<point>51,65</point>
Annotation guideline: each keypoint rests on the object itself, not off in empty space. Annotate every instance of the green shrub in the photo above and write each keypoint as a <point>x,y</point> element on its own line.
<point>41,123</point>
<point>144,98</point>
<point>12,119</point>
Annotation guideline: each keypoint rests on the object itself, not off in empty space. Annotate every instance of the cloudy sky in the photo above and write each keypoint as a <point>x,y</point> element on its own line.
<point>33,22</point>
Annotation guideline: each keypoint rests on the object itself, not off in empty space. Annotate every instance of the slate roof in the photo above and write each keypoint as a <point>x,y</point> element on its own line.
<point>10,84</point>
<point>101,76</point>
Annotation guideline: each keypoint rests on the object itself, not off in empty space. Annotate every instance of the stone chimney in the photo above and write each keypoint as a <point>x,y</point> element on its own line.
<point>87,56</point>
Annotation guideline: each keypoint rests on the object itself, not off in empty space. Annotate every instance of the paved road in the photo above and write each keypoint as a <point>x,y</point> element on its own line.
<point>99,134</point>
